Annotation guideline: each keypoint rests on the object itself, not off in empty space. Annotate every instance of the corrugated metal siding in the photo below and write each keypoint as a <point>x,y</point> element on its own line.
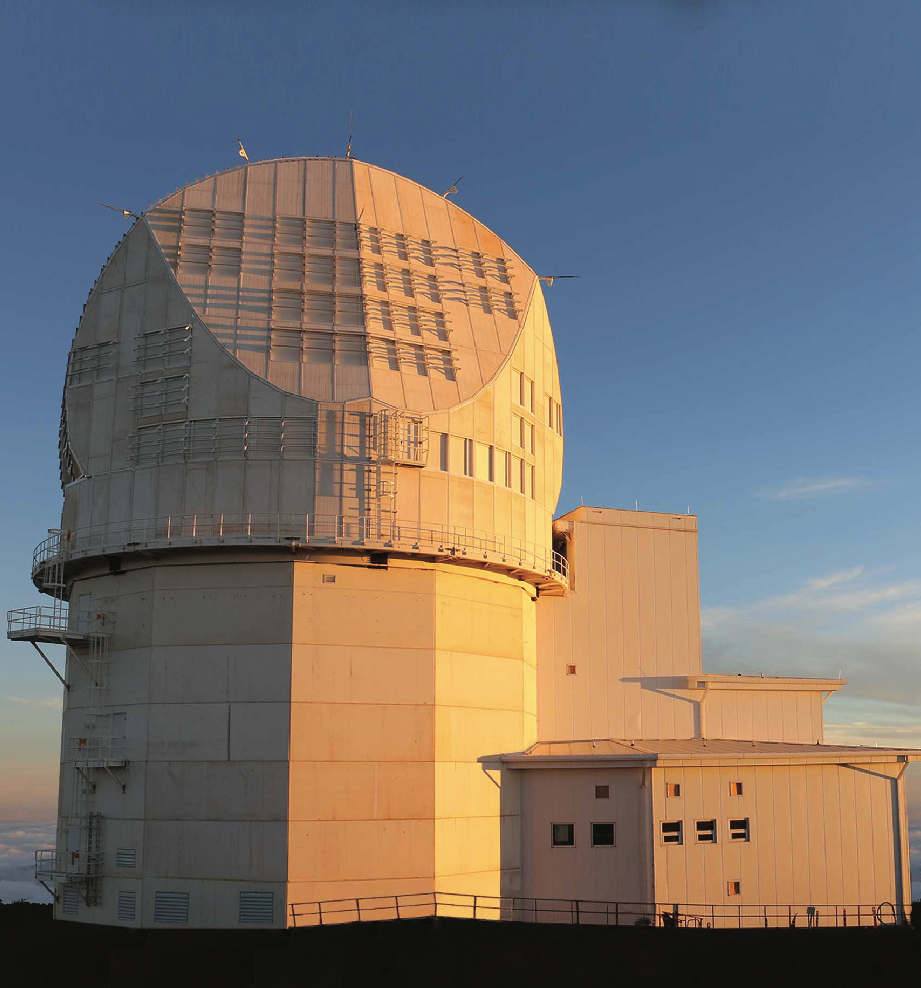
<point>70,901</point>
<point>127,906</point>
<point>171,907</point>
<point>126,857</point>
<point>257,907</point>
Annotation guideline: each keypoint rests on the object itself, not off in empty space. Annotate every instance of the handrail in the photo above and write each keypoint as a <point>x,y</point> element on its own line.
<point>23,619</point>
<point>279,528</point>
<point>51,620</point>
<point>594,912</point>
<point>97,748</point>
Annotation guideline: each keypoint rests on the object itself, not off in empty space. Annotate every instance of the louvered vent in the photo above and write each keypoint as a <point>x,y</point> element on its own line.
<point>70,901</point>
<point>172,907</point>
<point>126,857</point>
<point>127,906</point>
<point>257,907</point>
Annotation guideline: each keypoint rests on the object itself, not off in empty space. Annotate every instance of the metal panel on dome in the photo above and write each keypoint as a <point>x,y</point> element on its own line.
<point>415,304</point>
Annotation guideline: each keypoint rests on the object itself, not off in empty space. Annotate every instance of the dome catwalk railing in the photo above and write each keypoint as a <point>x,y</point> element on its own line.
<point>536,563</point>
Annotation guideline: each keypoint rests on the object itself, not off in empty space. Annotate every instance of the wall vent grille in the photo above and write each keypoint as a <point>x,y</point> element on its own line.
<point>70,901</point>
<point>126,857</point>
<point>127,906</point>
<point>257,907</point>
<point>171,907</point>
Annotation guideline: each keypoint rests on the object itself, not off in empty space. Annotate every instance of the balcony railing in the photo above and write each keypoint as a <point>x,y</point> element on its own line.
<point>98,750</point>
<point>592,912</point>
<point>26,621</point>
<point>54,865</point>
<point>299,529</point>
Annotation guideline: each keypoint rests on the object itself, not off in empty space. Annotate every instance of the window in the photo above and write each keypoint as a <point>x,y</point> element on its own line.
<point>602,792</point>
<point>533,484</point>
<point>70,901</point>
<point>672,788</point>
<point>507,478</point>
<point>518,430</point>
<point>171,907</point>
<point>672,832</point>
<point>602,835</point>
<point>257,907</point>
<point>126,857</point>
<point>468,457</point>
<point>522,477</point>
<point>706,831</point>
<point>484,462</point>
<point>440,445</point>
<point>563,834</point>
<point>733,888</point>
<point>570,670</point>
<point>739,829</point>
<point>735,788</point>
<point>127,906</point>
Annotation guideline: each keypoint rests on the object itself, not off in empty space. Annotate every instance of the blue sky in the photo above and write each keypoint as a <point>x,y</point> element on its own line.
<point>735,183</point>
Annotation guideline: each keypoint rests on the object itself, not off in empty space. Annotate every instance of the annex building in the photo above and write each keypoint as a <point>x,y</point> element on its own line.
<point>325,638</point>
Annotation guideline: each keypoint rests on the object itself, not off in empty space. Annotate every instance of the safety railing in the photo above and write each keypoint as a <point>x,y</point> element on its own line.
<point>591,912</point>
<point>47,550</point>
<point>54,865</point>
<point>29,620</point>
<point>300,529</point>
<point>97,750</point>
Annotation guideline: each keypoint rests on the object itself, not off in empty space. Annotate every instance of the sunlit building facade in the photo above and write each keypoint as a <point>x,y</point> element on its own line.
<point>324,638</point>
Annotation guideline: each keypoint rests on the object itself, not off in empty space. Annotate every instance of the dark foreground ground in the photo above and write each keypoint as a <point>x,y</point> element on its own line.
<point>35,951</point>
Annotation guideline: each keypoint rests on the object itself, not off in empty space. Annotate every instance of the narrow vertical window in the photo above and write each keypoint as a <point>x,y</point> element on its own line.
<point>531,482</point>
<point>468,457</point>
<point>441,448</point>
<point>507,469</point>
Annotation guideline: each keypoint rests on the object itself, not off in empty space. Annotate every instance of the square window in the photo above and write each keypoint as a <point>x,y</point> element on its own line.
<point>672,788</point>
<point>733,888</point>
<point>672,832</point>
<point>602,792</point>
<point>739,829</point>
<point>563,834</point>
<point>602,835</point>
<point>706,831</point>
<point>570,670</point>
<point>735,788</point>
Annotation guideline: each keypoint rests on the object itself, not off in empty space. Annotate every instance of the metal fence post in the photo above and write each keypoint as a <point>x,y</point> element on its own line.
<point>474,907</point>
<point>396,904</point>
<point>358,909</point>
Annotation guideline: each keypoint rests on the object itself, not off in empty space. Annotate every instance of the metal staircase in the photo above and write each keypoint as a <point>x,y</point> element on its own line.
<point>77,860</point>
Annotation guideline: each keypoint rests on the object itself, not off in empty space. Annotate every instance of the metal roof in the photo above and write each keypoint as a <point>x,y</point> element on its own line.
<point>693,749</point>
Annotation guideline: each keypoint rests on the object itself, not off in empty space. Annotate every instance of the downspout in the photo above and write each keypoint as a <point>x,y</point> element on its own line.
<point>899,827</point>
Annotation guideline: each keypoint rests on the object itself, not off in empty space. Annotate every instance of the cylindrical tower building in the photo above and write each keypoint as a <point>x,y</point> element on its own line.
<point>311,445</point>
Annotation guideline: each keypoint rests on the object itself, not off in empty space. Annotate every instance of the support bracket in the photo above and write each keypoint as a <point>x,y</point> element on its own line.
<point>50,665</point>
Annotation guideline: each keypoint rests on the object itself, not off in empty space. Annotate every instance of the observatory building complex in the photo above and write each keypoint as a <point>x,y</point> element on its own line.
<point>324,637</point>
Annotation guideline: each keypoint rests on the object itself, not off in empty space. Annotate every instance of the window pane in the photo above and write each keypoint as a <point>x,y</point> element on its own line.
<point>602,834</point>
<point>563,834</point>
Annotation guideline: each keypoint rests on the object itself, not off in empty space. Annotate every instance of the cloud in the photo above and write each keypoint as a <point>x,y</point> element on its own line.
<point>18,842</point>
<point>48,702</point>
<point>824,582</point>
<point>804,487</point>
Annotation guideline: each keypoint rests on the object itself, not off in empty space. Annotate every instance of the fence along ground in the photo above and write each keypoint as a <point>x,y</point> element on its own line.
<point>591,912</point>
